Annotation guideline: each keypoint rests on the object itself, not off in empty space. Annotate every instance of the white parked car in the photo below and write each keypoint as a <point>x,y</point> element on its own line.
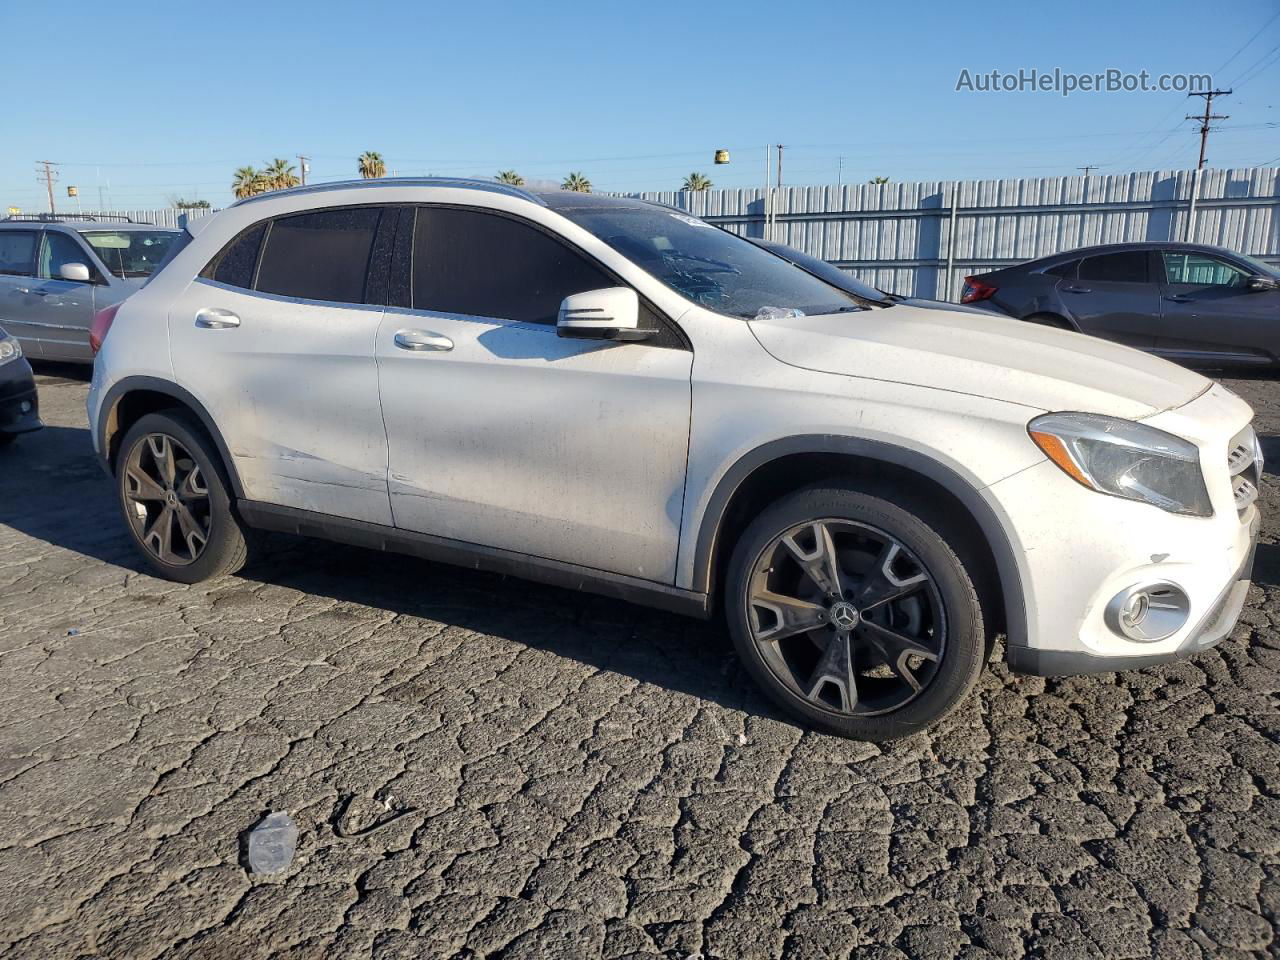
<point>614,396</point>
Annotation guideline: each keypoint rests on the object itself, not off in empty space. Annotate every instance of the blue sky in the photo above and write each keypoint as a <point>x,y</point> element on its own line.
<point>150,100</point>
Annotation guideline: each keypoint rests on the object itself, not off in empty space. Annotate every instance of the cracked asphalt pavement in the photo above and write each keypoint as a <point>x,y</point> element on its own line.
<point>484,767</point>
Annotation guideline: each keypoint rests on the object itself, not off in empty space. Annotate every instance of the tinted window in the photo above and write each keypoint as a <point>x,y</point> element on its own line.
<point>17,252</point>
<point>1202,270</point>
<point>59,249</point>
<point>235,263</point>
<point>485,265</point>
<point>1067,269</point>
<point>1116,267</point>
<point>319,256</point>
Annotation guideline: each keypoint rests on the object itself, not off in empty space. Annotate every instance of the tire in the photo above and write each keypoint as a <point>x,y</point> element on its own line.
<point>939,615</point>
<point>1049,320</point>
<point>200,486</point>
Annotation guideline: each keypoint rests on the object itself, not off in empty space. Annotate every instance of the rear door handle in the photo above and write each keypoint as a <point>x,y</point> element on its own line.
<point>215,318</point>
<point>1178,298</point>
<point>1077,290</point>
<point>422,340</point>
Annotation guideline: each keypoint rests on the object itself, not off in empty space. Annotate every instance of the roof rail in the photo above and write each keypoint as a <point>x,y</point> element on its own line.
<point>60,217</point>
<point>462,183</point>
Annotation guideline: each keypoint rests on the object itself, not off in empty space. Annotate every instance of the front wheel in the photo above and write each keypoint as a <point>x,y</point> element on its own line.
<point>173,493</point>
<point>853,614</point>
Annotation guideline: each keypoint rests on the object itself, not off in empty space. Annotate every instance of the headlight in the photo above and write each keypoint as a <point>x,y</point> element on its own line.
<point>10,349</point>
<point>1125,459</point>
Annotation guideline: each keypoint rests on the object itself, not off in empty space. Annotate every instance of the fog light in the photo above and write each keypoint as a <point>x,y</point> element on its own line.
<point>1148,612</point>
<point>25,406</point>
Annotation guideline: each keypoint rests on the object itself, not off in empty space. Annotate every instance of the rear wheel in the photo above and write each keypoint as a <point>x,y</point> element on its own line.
<point>1049,320</point>
<point>854,614</point>
<point>173,494</point>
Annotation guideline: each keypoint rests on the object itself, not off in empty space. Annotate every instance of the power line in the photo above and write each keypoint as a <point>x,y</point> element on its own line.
<point>1244,45</point>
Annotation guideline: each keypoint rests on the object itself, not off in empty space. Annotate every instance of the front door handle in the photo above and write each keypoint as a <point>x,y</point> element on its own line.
<point>1077,290</point>
<point>215,318</point>
<point>422,340</point>
<point>1178,298</point>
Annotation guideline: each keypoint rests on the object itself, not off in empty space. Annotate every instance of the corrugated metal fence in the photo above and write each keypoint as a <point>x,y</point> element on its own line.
<point>898,236</point>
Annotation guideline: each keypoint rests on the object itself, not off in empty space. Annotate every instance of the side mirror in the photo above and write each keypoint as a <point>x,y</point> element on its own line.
<point>1264,283</point>
<point>74,271</point>
<point>609,314</point>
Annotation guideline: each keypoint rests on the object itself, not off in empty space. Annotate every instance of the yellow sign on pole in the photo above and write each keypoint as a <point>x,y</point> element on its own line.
<point>14,211</point>
<point>72,192</point>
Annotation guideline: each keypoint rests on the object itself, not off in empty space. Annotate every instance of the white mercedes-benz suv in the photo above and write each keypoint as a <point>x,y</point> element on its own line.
<point>613,396</point>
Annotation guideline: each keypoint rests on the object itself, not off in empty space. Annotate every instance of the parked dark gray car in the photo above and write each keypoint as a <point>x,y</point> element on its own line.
<point>57,272</point>
<point>1187,302</point>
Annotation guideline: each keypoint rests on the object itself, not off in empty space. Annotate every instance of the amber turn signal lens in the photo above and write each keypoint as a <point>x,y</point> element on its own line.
<point>1056,451</point>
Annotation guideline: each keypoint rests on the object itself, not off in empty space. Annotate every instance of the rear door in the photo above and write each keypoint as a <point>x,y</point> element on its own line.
<point>276,339</point>
<point>19,307</point>
<point>1114,296</point>
<point>1212,314</point>
<point>63,309</point>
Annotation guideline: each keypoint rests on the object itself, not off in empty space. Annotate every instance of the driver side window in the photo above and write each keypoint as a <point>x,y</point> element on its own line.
<point>57,250</point>
<point>487,265</point>
<point>1202,270</point>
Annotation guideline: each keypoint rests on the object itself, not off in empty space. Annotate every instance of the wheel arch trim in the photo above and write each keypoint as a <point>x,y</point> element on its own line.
<point>984,513</point>
<point>182,397</point>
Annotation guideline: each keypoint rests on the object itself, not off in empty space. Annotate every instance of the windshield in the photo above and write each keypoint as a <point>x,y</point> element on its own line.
<point>130,253</point>
<point>708,265</point>
<point>1260,268</point>
<point>828,272</point>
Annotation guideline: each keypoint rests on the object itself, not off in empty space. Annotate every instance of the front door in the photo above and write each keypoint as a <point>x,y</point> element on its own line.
<point>64,308</point>
<point>276,340</point>
<point>505,435</point>
<point>1210,313</point>
<point>1113,296</point>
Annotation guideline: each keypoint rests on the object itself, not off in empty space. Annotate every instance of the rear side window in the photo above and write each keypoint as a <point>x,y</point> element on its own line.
<point>235,263</point>
<point>319,256</point>
<point>17,252</point>
<point>1067,270</point>
<point>1130,267</point>
<point>486,265</point>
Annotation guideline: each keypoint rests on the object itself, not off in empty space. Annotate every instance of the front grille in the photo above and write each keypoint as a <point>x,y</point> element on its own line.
<point>1244,463</point>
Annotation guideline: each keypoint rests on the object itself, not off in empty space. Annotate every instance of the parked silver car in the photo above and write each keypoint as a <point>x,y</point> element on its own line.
<point>56,273</point>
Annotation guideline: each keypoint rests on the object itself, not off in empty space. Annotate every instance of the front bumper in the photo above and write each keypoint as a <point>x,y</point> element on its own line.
<point>19,403</point>
<point>1077,550</point>
<point>1214,626</point>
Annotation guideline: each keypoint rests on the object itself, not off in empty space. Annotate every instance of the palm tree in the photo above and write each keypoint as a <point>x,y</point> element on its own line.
<point>878,180</point>
<point>697,182</point>
<point>372,165</point>
<point>279,174</point>
<point>576,182</point>
<point>247,182</point>
<point>511,177</point>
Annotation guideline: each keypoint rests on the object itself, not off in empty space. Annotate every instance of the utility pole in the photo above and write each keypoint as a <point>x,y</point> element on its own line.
<point>839,171</point>
<point>779,172</point>
<point>1087,167</point>
<point>1204,142</point>
<point>303,167</point>
<point>49,177</point>
<point>1206,117</point>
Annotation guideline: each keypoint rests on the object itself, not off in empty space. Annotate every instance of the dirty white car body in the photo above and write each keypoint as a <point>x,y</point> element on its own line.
<point>611,465</point>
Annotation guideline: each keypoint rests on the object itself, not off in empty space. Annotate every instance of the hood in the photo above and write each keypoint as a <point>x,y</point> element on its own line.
<point>985,356</point>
